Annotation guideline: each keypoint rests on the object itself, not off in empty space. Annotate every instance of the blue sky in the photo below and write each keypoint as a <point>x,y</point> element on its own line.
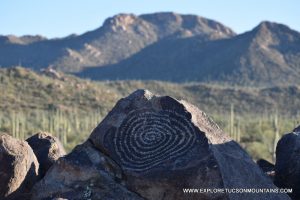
<point>58,18</point>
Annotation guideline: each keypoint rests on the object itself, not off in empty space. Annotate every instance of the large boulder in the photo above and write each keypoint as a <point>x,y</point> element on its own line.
<point>164,146</point>
<point>287,166</point>
<point>151,147</point>
<point>47,149</point>
<point>18,168</point>
<point>83,174</point>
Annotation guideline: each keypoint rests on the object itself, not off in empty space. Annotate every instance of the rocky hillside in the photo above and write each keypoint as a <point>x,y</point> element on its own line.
<point>70,107</point>
<point>268,55</point>
<point>118,38</point>
<point>26,89</point>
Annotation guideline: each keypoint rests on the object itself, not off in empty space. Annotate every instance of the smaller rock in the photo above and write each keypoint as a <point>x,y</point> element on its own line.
<point>287,167</point>
<point>51,73</point>
<point>83,174</point>
<point>47,149</point>
<point>18,168</point>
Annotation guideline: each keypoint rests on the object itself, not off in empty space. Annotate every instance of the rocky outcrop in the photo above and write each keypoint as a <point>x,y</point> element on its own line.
<point>85,173</point>
<point>49,71</point>
<point>163,146</point>
<point>47,149</point>
<point>287,167</point>
<point>18,168</point>
<point>154,148</point>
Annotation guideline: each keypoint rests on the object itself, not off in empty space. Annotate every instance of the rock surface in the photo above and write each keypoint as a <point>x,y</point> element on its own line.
<point>18,168</point>
<point>85,173</point>
<point>163,146</point>
<point>151,147</point>
<point>47,149</point>
<point>287,167</point>
<point>267,167</point>
<point>297,129</point>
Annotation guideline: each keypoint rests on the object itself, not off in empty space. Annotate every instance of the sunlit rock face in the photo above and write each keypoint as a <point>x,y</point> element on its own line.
<point>18,168</point>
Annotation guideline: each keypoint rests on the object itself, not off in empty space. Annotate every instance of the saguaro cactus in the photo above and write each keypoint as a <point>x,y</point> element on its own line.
<point>276,133</point>
<point>232,134</point>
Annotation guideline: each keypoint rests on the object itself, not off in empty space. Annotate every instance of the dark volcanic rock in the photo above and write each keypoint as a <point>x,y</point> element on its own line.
<point>18,168</point>
<point>267,167</point>
<point>297,129</point>
<point>287,167</point>
<point>85,173</point>
<point>47,149</point>
<point>163,146</point>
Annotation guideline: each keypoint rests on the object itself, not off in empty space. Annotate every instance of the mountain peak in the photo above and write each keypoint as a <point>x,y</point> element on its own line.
<point>272,26</point>
<point>161,16</point>
<point>267,24</point>
<point>273,33</point>
<point>122,20</point>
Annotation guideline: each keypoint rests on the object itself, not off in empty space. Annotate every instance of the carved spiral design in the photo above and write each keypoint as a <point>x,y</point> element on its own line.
<point>146,139</point>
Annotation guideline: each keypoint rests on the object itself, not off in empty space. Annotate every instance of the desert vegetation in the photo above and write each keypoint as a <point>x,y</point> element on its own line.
<point>70,107</point>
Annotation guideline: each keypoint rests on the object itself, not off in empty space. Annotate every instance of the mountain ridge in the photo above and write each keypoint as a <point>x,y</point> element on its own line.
<point>47,90</point>
<point>118,38</point>
<point>166,46</point>
<point>268,55</point>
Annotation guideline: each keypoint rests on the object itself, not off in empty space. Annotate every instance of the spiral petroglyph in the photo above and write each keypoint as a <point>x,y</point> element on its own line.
<point>146,139</point>
<point>158,145</point>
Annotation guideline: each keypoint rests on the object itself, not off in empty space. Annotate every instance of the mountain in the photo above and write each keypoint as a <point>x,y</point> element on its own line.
<point>268,55</point>
<point>117,39</point>
<point>166,47</point>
